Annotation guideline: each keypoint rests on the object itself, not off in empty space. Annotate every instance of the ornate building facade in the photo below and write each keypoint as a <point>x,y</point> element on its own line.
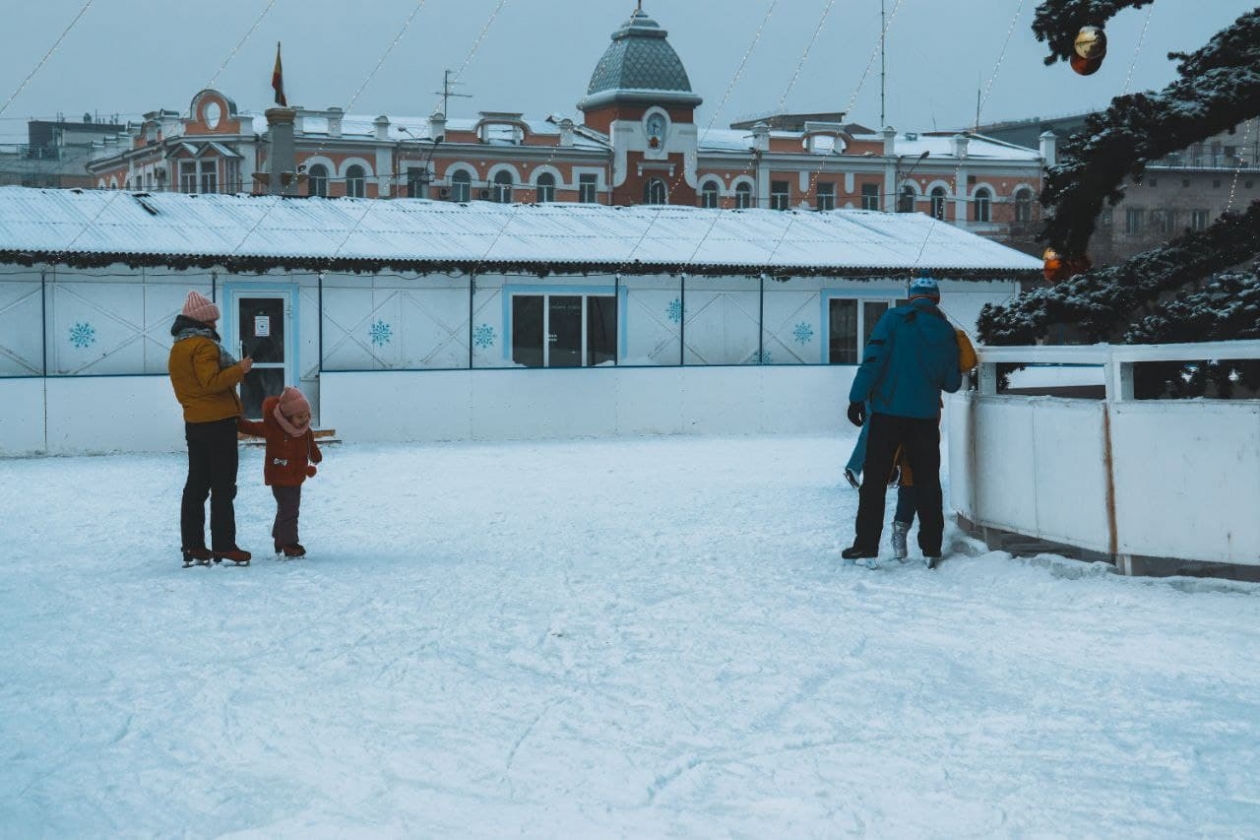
<point>636,142</point>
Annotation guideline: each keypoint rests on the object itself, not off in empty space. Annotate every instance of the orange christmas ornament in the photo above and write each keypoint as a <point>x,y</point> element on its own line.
<point>1085,66</point>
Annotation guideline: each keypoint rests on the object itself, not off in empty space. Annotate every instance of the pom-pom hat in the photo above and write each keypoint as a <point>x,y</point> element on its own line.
<point>292,401</point>
<point>200,308</point>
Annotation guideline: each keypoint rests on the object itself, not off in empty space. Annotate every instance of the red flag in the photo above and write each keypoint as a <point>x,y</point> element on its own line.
<point>277,80</point>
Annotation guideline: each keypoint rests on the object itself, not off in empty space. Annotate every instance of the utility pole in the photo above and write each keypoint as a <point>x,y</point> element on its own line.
<point>445,92</point>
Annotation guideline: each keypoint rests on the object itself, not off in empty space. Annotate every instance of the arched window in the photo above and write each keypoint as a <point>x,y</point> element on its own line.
<point>461,186</point>
<point>654,192</point>
<point>983,202</point>
<point>1023,206</point>
<point>743,195</point>
<point>356,181</point>
<point>317,180</point>
<point>546,188</point>
<point>938,203</point>
<point>502,191</point>
<point>709,194</point>
<point>905,201</point>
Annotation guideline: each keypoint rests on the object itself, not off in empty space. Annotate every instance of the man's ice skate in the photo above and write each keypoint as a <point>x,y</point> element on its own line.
<point>869,559</point>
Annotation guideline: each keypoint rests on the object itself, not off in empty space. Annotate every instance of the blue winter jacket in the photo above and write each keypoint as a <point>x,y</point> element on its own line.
<point>911,357</point>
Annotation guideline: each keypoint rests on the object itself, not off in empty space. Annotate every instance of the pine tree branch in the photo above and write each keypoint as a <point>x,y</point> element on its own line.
<point>1058,21</point>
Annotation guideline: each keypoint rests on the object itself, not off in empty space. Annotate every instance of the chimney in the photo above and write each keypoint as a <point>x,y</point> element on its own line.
<point>890,141</point>
<point>566,132</point>
<point>282,159</point>
<point>959,142</point>
<point>1049,149</point>
<point>761,136</point>
<point>334,121</point>
<point>437,126</point>
<point>382,128</point>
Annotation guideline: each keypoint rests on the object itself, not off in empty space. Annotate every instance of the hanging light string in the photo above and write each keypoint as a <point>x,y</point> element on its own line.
<point>210,84</point>
<point>477,43</point>
<point>367,208</point>
<point>822,20</point>
<point>795,75</point>
<point>818,171</point>
<point>1137,50</point>
<point>958,167</point>
<point>323,145</point>
<point>652,221</point>
<point>1233,185</point>
<point>47,55</point>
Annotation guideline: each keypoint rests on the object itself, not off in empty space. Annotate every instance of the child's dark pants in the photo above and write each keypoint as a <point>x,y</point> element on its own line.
<point>288,503</point>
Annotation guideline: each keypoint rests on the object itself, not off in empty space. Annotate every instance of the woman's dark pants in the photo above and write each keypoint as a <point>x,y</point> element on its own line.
<point>212,463</point>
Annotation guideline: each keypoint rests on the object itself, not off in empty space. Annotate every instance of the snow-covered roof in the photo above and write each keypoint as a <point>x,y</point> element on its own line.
<point>906,145</point>
<point>96,226</point>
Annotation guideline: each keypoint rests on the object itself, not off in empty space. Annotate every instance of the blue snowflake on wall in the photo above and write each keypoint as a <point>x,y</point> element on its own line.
<point>483,335</point>
<point>81,335</point>
<point>803,333</point>
<point>760,358</point>
<point>675,310</point>
<point>381,333</point>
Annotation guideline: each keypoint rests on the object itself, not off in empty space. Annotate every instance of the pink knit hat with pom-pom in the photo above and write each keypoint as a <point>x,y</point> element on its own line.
<point>200,308</point>
<point>292,401</point>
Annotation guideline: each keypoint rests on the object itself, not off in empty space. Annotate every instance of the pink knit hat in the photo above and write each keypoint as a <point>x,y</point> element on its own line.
<point>293,402</point>
<point>200,308</point>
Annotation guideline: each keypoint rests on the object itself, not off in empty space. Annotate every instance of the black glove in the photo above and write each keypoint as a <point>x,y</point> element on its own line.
<point>857,413</point>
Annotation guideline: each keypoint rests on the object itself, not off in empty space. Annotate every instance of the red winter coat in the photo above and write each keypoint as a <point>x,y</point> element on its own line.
<point>285,462</point>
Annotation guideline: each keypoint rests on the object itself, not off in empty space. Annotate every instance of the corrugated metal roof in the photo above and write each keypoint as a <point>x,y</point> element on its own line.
<point>59,224</point>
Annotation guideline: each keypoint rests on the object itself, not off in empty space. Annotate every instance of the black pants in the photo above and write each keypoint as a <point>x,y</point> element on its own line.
<point>922,442</point>
<point>212,463</point>
<point>288,505</point>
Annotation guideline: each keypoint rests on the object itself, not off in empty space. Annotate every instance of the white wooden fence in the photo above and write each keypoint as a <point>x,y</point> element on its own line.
<point>1141,482</point>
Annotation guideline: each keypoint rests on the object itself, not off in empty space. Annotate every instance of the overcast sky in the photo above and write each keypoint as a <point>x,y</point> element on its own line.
<point>125,57</point>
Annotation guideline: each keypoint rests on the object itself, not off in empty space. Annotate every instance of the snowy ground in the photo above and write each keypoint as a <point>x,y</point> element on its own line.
<point>642,638</point>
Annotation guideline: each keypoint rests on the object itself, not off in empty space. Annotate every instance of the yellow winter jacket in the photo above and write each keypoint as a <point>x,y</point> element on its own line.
<point>206,392</point>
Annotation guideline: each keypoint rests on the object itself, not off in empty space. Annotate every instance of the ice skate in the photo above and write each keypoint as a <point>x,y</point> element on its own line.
<point>197,556</point>
<point>235,555</point>
<point>900,530</point>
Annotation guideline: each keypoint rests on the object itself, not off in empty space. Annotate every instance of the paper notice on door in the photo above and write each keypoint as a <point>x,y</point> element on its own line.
<point>262,326</point>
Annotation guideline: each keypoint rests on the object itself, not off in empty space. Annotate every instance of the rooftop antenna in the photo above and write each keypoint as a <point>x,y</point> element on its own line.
<point>446,94</point>
<point>881,63</point>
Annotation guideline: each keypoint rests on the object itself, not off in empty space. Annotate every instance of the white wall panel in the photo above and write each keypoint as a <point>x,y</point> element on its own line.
<point>21,416</point>
<point>97,414</point>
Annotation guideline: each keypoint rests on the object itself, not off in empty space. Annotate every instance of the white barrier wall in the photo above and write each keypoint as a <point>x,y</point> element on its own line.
<point>89,415</point>
<point>68,415</point>
<point>21,416</point>
<point>557,403</point>
<point>1166,479</point>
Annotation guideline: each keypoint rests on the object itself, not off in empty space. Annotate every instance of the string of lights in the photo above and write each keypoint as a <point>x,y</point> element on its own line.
<point>210,84</point>
<point>46,56</point>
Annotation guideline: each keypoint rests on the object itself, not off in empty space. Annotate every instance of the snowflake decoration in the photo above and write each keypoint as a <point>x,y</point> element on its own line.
<point>675,310</point>
<point>381,333</point>
<point>81,335</point>
<point>483,335</point>
<point>803,333</point>
<point>760,358</point>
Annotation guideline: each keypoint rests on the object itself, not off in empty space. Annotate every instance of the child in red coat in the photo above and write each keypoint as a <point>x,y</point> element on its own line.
<point>286,426</point>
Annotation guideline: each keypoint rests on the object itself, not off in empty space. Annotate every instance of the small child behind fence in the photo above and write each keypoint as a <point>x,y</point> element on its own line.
<point>291,449</point>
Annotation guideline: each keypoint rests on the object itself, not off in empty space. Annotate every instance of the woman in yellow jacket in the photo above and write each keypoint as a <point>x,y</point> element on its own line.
<point>204,376</point>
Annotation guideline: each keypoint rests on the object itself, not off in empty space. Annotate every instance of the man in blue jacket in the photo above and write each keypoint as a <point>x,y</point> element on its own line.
<point>912,356</point>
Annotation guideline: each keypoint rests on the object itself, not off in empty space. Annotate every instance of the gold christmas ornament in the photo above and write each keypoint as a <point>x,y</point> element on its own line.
<point>1091,43</point>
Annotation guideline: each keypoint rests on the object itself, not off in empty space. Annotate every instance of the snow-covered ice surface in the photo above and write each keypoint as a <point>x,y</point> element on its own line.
<point>647,637</point>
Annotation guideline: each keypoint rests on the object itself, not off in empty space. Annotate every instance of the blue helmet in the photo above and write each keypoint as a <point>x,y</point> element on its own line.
<point>925,287</point>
